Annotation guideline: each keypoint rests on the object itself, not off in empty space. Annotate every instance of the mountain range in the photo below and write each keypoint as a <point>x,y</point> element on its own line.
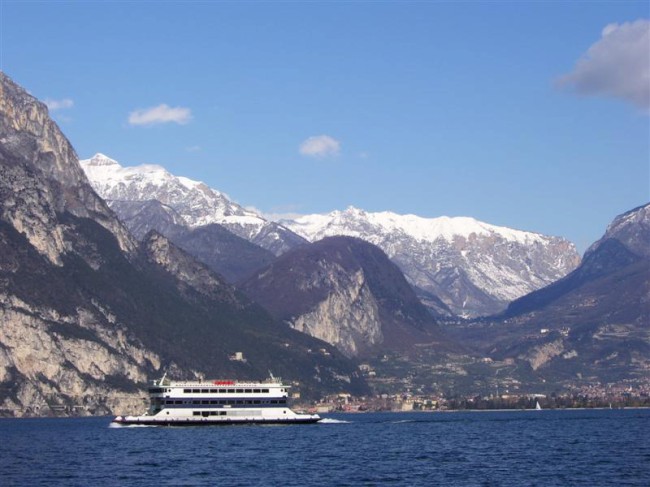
<point>473,267</point>
<point>98,296</point>
<point>193,202</point>
<point>458,266</point>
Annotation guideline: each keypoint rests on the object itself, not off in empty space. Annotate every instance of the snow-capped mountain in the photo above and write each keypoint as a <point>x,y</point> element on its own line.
<point>632,229</point>
<point>474,267</point>
<point>194,201</point>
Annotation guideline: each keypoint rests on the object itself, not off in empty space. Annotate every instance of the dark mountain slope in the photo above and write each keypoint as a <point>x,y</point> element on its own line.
<point>610,257</point>
<point>347,292</point>
<point>233,257</point>
<point>591,326</point>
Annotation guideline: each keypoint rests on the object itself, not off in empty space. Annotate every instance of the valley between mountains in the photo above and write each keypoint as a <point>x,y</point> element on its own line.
<point>111,275</point>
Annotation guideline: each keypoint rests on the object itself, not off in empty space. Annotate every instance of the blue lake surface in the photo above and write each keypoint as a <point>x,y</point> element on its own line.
<point>519,448</point>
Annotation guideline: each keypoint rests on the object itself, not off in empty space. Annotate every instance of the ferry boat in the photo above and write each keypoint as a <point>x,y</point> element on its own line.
<point>217,402</point>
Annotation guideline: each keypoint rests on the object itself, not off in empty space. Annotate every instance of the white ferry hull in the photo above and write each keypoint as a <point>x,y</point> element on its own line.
<point>191,421</point>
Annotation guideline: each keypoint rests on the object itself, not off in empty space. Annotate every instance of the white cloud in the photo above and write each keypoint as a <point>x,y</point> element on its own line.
<point>283,212</point>
<point>253,209</point>
<point>279,217</point>
<point>54,105</point>
<point>160,114</point>
<point>320,146</point>
<point>276,214</point>
<point>617,65</point>
<point>193,148</point>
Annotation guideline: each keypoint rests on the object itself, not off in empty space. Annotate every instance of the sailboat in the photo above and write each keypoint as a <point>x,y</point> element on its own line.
<point>537,406</point>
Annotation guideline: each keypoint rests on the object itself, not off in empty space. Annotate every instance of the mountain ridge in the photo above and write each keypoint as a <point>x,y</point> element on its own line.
<point>474,267</point>
<point>196,203</point>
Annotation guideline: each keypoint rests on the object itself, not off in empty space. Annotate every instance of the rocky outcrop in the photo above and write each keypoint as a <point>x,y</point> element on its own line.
<point>42,176</point>
<point>348,317</point>
<point>632,229</point>
<point>85,363</point>
<point>190,274</point>
<point>346,292</point>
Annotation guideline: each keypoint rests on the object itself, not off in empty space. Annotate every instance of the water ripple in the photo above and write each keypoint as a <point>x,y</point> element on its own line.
<point>505,449</point>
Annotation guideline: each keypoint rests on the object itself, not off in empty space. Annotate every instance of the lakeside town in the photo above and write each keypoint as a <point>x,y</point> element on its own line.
<point>609,396</point>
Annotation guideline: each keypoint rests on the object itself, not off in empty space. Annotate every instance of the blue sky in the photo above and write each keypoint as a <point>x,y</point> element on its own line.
<point>433,108</point>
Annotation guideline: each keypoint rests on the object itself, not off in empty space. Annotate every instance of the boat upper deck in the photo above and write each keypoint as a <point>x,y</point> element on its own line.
<point>218,383</point>
<point>218,388</point>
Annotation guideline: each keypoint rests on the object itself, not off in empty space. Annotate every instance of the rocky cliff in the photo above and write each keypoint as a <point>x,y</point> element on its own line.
<point>346,292</point>
<point>56,355</point>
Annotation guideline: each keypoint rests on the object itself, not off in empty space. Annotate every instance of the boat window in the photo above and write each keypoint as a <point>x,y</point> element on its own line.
<point>248,390</point>
<point>187,391</point>
<point>240,391</point>
<point>178,402</point>
<point>222,413</point>
<point>196,413</point>
<point>231,391</point>
<point>214,402</point>
<point>196,391</point>
<point>265,390</point>
<point>256,402</point>
<point>205,391</point>
<point>257,391</point>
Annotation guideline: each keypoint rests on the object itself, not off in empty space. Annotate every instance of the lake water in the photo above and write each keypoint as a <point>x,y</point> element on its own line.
<point>523,448</point>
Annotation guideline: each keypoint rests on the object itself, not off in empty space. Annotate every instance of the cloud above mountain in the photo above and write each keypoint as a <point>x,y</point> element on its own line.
<point>320,146</point>
<point>54,105</point>
<point>617,65</point>
<point>162,113</point>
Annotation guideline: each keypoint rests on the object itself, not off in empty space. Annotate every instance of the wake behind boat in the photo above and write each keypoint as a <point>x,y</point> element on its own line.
<point>217,402</point>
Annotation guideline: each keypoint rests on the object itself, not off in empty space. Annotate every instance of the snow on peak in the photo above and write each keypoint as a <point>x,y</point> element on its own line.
<point>474,267</point>
<point>354,221</point>
<point>194,200</point>
<point>100,159</point>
